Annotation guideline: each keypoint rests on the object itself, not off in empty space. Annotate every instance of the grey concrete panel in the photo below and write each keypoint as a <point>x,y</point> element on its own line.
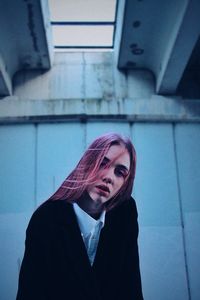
<point>60,147</point>
<point>98,128</point>
<point>67,81</point>
<point>99,81</point>
<point>12,238</point>
<point>192,238</point>
<point>17,168</point>
<point>156,189</point>
<point>162,263</point>
<point>188,157</point>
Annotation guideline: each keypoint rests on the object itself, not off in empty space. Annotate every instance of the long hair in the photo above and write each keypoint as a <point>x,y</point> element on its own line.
<point>87,170</point>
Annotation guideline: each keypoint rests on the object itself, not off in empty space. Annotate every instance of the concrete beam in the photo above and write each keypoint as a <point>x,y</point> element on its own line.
<point>179,49</point>
<point>159,36</point>
<point>155,109</point>
<point>27,44</point>
<point>5,80</point>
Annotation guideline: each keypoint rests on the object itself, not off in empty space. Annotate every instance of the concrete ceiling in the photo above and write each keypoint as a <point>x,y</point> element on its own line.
<point>159,36</point>
<point>162,37</point>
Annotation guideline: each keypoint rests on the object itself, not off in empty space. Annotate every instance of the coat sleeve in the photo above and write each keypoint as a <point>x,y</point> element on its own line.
<point>31,283</point>
<point>131,287</point>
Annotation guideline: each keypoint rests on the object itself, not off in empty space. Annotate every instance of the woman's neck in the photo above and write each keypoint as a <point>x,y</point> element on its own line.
<point>92,208</point>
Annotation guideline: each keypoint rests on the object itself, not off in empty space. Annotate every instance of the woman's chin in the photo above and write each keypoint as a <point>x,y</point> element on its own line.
<point>98,198</point>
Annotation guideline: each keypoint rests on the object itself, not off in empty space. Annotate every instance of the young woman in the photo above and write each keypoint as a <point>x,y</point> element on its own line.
<point>81,244</point>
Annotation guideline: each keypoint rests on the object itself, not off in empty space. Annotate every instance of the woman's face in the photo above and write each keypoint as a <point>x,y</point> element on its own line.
<point>112,177</point>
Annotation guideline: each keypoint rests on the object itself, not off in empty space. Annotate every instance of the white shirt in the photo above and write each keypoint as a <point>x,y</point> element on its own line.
<point>90,230</point>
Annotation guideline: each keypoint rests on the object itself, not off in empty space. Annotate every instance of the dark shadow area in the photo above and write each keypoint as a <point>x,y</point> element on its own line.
<point>189,86</point>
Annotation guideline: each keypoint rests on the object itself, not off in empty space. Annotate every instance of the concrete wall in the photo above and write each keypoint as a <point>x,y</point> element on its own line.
<point>89,84</point>
<point>45,128</point>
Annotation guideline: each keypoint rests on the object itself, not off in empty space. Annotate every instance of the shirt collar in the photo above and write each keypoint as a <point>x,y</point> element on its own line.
<point>86,222</point>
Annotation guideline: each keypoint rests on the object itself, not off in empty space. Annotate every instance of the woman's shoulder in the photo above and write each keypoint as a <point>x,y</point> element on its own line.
<point>123,218</point>
<point>49,206</point>
<point>48,213</point>
<point>127,207</point>
<point>126,211</point>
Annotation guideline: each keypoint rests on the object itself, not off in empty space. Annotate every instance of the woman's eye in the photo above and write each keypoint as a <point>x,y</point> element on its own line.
<point>120,173</point>
<point>103,163</point>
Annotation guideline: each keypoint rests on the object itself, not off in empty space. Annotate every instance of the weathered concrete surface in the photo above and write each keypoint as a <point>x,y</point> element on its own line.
<point>27,44</point>
<point>89,84</point>
<point>157,108</point>
<point>83,75</point>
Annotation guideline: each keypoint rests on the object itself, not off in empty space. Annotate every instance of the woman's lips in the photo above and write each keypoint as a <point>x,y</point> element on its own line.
<point>103,190</point>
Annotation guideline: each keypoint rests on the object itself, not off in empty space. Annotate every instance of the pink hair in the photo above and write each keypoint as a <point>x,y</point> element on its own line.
<point>87,171</point>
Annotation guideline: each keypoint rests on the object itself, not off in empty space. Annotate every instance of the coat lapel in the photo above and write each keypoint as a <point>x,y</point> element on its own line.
<point>103,259</point>
<point>76,253</point>
<point>109,251</point>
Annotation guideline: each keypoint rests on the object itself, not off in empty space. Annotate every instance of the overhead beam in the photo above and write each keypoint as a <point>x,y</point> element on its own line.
<point>178,51</point>
<point>159,36</point>
<point>28,43</point>
<point>5,79</point>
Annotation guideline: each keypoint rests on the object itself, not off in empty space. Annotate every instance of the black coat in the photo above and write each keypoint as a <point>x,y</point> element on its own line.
<point>56,266</point>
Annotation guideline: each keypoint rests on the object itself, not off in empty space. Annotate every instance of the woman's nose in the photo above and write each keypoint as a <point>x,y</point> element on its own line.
<point>107,180</point>
<point>108,177</point>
